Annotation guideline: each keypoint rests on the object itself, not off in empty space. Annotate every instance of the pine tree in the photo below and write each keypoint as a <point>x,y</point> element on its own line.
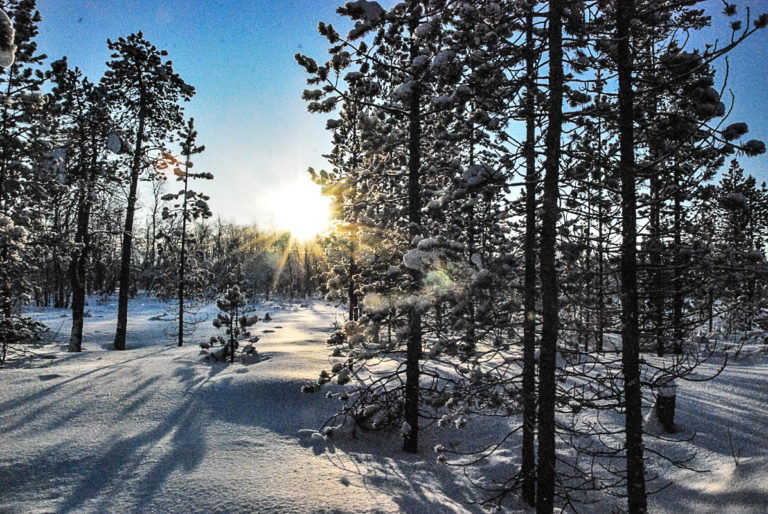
<point>84,135</point>
<point>545,487</point>
<point>145,93</point>
<point>234,320</point>
<point>190,206</point>
<point>740,233</point>
<point>24,143</point>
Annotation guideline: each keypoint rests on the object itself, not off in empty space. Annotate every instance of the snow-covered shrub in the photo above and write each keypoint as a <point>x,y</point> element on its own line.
<point>234,319</point>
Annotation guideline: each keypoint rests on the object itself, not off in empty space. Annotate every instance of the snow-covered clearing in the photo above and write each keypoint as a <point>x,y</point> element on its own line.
<point>156,429</point>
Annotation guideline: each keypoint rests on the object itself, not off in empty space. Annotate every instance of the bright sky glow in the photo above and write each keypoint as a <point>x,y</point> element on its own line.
<point>301,209</point>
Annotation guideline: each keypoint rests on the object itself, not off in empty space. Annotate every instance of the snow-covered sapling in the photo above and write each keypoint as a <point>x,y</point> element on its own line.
<point>235,321</point>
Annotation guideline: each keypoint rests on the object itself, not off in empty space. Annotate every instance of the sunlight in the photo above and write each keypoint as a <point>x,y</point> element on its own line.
<point>301,209</point>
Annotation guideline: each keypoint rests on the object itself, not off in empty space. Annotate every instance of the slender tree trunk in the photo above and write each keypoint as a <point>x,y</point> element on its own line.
<point>600,269</point>
<point>80,257</point>
<point>183,254</point>
<point>677,281</point>
<point>307,276</point>
<point>629,303</point>
<point>528,458</point>
<point>545,493</point>
<point>657,286</point>
<point>78,278</point>
<point>125,260</point>
<point>351,285</point>
<point>413,349</point>
<point>234,316</point>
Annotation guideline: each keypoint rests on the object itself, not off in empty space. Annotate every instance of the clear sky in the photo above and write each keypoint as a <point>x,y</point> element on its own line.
<point>239,56</point>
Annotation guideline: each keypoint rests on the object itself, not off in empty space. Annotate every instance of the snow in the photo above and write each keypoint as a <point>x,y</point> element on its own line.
<point>114,143</point>
<point>371,12</point>
<point>7,46</point>
<point>156,429</point>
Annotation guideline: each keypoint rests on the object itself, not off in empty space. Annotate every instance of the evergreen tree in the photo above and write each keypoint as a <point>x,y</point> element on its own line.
<point>741,234</point>
<point>84,132</point>
<point>234,320</point>
<point>24,144</point>
<point>144,92</point>
<point>190,205</point>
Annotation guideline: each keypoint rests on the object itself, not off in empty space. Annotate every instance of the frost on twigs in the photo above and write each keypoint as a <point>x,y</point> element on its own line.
<point>7,47</point>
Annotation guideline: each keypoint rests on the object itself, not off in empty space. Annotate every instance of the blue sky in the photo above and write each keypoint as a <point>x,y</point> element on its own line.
<point>239,56</point>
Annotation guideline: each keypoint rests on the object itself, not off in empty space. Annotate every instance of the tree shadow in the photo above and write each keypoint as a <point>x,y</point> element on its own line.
<point>84,470</point>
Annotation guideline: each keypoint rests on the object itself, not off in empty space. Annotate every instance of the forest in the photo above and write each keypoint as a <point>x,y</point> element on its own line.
<point>543,218</point>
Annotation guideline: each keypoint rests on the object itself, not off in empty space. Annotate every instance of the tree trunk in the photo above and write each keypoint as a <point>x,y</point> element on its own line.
<point>677,281</point>
<point>657,285</point>
<point>80,255</point>
<point>307,276</point>
<point>528,458</point>
<point>351,284</point>
<point>629,304</point>
<point>125,259</point>
<point>545,493</point>
<point>183,254</point>
<point>413,350</point>
<point>79,259</point>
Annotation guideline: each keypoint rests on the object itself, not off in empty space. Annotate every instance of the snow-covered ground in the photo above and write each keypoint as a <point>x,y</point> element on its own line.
<point>156,429</point>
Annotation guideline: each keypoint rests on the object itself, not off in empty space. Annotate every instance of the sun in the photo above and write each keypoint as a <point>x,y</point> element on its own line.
<point>302,210</point>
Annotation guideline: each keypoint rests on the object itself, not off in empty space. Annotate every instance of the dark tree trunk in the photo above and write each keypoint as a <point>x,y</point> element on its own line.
<point>183,254</point>
<point>528,465</point>
<point>125,258</point>
<point>307,275</point>
<point>629,304</point>
<point>79,260</point>
<point>351,285</point>
<point>677,281</point>
<point>82,250</point>
<point>657,285</point>
<point>545,493</point>
<point>413,350</point>
<point>601,238</point>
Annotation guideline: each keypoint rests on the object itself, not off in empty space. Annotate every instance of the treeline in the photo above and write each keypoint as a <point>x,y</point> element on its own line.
<point>74,153</point>
<point>530,212</point>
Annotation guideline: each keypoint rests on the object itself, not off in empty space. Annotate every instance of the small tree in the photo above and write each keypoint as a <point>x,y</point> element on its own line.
<point>235,321</point>
<point>189,205</point>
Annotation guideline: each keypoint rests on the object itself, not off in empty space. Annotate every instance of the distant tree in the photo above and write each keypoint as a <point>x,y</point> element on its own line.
<point>741,232</point>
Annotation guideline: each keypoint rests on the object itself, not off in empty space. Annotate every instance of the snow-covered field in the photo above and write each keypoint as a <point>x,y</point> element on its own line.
<point>156,429</point>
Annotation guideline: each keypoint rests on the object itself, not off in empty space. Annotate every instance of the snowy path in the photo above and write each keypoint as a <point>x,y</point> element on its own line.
<point>154,429</point>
